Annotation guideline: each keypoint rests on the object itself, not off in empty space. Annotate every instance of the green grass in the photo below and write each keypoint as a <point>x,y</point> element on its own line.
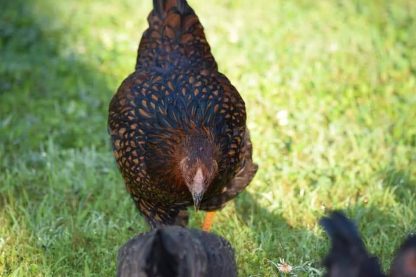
<point>330,88</point>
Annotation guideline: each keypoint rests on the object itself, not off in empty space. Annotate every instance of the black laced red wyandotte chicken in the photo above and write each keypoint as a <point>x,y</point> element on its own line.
<point>348,256</point>
<point>178,126</point>
<point>173,251</point>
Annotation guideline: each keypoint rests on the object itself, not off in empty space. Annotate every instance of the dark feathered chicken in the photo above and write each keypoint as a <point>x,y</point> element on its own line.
<point>175,251</point>
<point>404,264</point>
<point>348,256</point>
<point>178,126</point>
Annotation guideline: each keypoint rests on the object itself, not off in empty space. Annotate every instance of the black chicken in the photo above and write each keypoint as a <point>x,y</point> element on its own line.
<point>178,126</point>
<point>175,251</point>
<point>348,256</point>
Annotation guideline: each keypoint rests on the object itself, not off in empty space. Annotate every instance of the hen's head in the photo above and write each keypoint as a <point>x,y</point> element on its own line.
<point>199,166</point>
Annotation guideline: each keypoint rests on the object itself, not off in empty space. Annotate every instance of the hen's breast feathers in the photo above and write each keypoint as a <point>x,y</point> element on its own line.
<point>155,112</point>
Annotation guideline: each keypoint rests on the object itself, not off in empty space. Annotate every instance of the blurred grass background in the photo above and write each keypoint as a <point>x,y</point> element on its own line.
<point>330,89</point>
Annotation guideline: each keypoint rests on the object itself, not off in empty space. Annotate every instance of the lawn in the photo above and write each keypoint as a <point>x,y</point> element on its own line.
<point>330,90</point>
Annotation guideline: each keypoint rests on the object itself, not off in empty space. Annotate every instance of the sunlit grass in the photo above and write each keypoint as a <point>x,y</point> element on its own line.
<point>330,89</point>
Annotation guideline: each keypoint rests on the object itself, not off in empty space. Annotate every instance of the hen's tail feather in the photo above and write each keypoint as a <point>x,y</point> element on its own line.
<point>341,230</point>
<point>174,28</point>
<point>161,7</point>
<point>172,18</point>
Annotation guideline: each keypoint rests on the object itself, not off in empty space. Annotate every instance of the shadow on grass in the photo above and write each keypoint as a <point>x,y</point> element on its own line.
<point>47,91</point>
<point>278,240</point>
<point>401,182</point>
<point>58,188</point>
<point>46,96</point>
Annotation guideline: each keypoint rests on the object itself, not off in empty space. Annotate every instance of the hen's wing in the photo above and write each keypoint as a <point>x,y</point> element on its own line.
<point>245,173</point>
<point>159,214</point>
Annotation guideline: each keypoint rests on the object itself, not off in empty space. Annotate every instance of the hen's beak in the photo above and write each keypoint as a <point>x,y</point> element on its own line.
<point>197,188</point>
<point>197,197</point>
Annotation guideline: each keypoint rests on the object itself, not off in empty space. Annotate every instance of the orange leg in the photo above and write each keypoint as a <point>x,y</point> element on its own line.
<point>209,219</point>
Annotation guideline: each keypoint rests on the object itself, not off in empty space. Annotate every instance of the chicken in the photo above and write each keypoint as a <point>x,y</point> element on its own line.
<point>177,125</point>
<point>404,264</point>
<point>348,256</point>
<point>175,251</point>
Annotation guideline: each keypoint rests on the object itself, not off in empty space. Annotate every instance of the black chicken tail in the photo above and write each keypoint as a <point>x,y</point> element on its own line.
<point>341,230</point>
<point>172,17</point>
<point>348,255</point>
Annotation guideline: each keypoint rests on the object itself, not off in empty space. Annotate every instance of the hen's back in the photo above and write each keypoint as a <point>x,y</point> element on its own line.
<point>176,251</point>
